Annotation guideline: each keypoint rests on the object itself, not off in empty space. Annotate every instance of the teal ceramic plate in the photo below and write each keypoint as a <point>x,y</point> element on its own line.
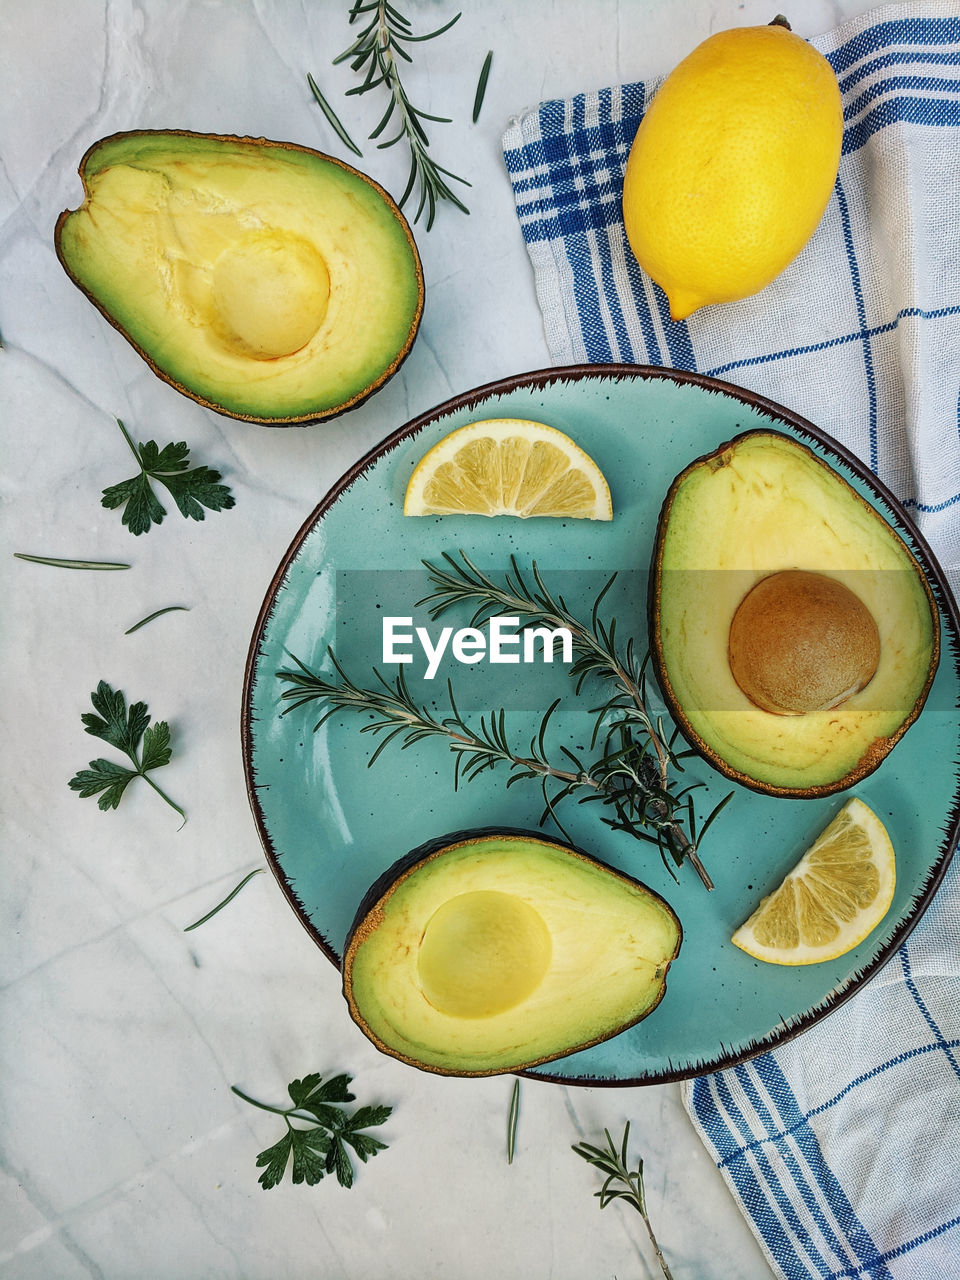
<point>330,825</point>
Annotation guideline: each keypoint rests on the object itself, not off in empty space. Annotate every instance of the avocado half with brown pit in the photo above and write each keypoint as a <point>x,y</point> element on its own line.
<point>793,632</point>
<point>263,279</point>
<point>490,951</point>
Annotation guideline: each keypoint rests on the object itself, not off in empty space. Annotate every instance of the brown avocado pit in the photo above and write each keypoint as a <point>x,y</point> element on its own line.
<point>757,509</point>
<point>801,642</point>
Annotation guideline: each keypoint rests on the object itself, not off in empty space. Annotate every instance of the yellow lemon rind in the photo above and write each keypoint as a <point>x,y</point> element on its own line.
<point>859,927</point>
<point>572,486</point>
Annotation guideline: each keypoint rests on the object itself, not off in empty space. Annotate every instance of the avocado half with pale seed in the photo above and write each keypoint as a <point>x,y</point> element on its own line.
<point>490,951</point>
<point>793,633</point>
<point>265,280</point>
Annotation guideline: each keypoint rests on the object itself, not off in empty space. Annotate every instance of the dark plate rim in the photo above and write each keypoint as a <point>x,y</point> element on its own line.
<point>539,378</point>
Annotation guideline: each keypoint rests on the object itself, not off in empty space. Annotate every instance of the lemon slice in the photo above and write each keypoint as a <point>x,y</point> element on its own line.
<point>508,467</point>
<point>837,893</point>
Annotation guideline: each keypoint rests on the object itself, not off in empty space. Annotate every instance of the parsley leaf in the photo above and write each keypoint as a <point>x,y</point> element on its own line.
<point>123,728</point>
<point>321,1149</point>
<point>192,488</point>
<point>275,1158</point>
<point>106,777</point>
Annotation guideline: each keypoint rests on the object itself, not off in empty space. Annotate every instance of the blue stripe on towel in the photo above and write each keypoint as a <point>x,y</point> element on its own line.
<point>902,31</point>
<point>897,58</point>
<point>927,111</point>
<point>862,317</point>
<point>793,1120</point>
<point>759,1186</point>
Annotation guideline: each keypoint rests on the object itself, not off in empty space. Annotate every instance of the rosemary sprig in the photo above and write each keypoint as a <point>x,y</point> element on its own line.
<point>620,1183</point>
<point>396,713</point>
<point>629,777</point>
<point>636,758</point>
<point>376,52</point>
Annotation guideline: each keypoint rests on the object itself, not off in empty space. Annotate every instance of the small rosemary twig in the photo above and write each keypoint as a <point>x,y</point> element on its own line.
<point>375,51</point>
<point>158,613</point>
<point>625,779</point>
<point>597,654</point>
<point>223,902</point>
<point>620,1183</point>
<point>397,714</point>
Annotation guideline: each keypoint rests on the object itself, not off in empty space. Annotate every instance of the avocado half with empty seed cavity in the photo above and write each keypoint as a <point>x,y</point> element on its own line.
<point>265,280</point>
<point>794,634</point>
<point>490,951</point>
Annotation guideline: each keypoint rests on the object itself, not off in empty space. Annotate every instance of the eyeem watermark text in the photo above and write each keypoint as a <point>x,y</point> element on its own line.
<point>502,642</point>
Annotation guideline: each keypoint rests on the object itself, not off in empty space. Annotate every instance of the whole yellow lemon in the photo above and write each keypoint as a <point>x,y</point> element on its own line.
<point>733,165</point>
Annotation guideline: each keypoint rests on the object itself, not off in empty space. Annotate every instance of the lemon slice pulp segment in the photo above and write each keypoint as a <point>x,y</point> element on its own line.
<point>837,893</point>
<point>508,467</point>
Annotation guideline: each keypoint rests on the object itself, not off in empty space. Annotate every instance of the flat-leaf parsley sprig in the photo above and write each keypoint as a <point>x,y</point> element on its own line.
<point>192,488</point>
<point>322,1147</point>
<point>147,746</point>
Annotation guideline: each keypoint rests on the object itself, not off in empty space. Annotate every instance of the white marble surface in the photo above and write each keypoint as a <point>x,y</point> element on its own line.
<point>124,1154</point>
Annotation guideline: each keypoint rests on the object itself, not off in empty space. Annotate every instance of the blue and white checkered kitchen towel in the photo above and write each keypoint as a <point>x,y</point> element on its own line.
<point>842,1146</point>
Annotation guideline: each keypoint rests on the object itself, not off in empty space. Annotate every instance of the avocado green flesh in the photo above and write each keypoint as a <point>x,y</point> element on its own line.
<point>264,279</point>
<point>761,504</point>
<point>498,952</point>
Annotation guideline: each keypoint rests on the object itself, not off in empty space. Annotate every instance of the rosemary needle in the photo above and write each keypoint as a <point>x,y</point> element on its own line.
<point>332,117</point>
<point>229,898</point>
<point>170,608</point>
<point>482,86</point>
<point>513,1116</point>
<point>70,564</point>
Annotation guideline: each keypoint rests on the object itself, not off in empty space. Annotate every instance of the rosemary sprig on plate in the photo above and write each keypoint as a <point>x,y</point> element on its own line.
<point>376,52</point>
<point>621,1183</point>
<point>636,757</point>
<point>630,775</point>
<point>398,714</point>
